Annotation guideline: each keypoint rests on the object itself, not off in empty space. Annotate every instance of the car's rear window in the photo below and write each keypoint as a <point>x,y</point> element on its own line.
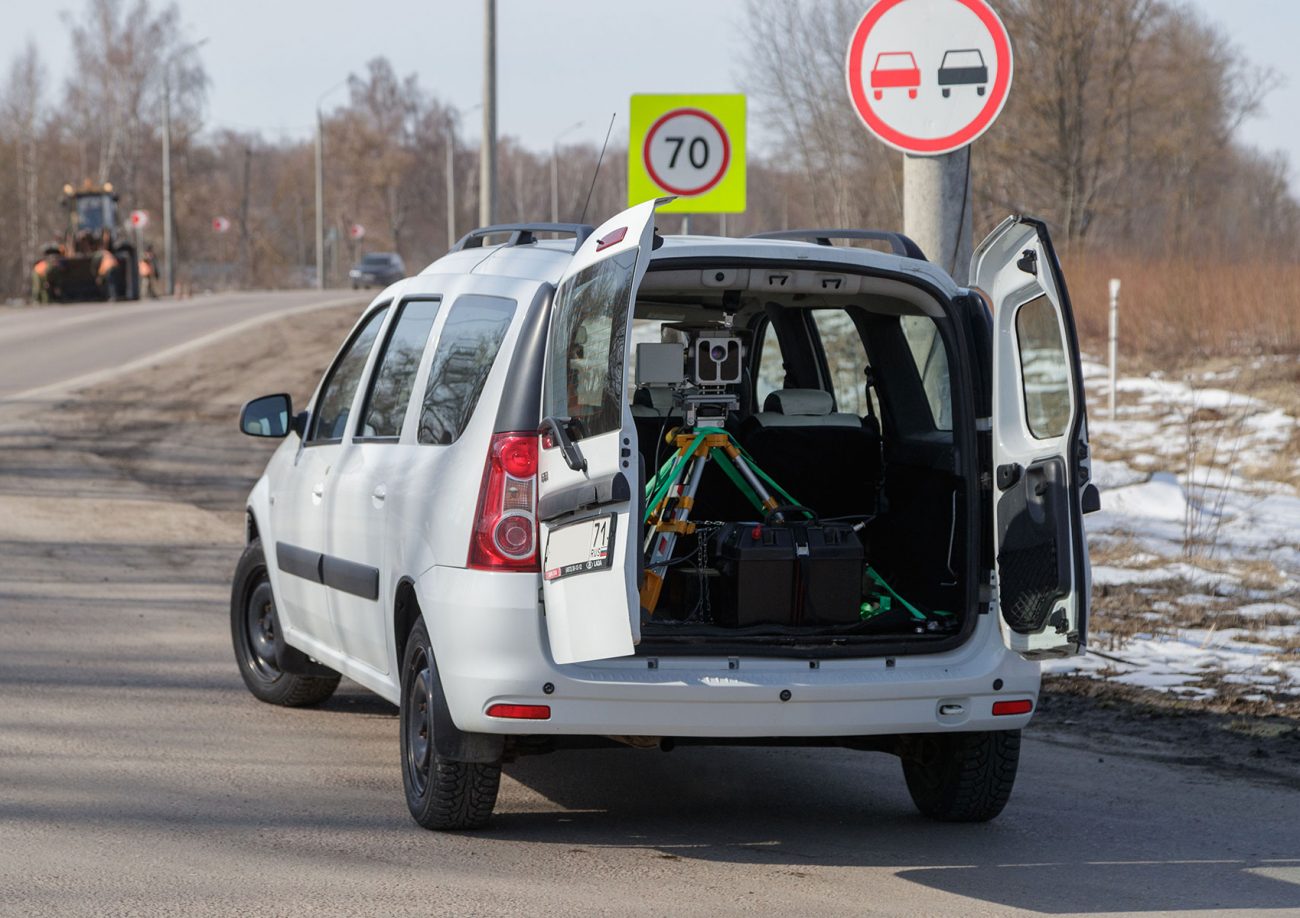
<point>467,348</point>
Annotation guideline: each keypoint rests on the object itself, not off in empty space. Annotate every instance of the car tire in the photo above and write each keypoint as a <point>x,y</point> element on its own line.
<point>254,626</point>
<point>441,793</point>
<point>961,777</point>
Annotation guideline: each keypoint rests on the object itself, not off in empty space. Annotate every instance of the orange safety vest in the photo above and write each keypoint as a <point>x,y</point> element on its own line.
<point>106,263</point>
<point>146,268</point>
<point>41,267</point>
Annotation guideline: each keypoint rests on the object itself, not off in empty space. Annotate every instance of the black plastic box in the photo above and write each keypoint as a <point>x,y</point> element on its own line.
<point>787,574</point>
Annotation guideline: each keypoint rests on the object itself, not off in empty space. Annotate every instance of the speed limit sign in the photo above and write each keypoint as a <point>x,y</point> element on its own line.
<point>689,146</point>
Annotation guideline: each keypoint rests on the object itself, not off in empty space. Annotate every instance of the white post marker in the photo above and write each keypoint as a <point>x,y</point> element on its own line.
<point>1114,340</point>
<point>928,77</point>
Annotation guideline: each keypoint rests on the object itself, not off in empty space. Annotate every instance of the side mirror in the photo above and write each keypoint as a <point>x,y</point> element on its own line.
<point>270,416</point>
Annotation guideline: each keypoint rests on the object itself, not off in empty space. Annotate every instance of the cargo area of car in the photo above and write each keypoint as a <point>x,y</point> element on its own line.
<point>844,412</point>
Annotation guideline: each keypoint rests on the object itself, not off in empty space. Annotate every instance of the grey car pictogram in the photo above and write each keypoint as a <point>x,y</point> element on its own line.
<point>964,67</point>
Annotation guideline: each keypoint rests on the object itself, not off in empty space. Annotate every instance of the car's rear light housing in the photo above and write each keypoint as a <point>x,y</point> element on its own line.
<point>520,711</point>
<point>1007,708</point>
<point>505,525</point>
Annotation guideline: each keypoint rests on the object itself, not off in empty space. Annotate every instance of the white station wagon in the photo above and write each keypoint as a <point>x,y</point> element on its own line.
<point>589,486</point>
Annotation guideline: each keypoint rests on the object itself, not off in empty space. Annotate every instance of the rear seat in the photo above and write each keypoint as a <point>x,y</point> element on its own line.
<point>830,462</point>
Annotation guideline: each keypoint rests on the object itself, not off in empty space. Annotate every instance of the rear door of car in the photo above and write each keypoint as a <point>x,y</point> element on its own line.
<point>1040,443</point>
<point>588,474</point>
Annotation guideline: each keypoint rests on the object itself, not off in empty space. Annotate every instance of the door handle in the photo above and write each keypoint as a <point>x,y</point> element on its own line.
<point>378,494</point>
<point>318,491</point>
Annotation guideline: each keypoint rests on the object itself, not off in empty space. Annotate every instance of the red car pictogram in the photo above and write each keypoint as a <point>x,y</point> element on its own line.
<point>895,70</point>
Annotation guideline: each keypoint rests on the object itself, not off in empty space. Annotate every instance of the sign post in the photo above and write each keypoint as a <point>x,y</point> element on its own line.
<point>1114,342</point>
<point>928,77</point>
<point>691,146</point>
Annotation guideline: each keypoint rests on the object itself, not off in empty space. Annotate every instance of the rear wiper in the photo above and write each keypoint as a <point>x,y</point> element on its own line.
<point>558,430</point>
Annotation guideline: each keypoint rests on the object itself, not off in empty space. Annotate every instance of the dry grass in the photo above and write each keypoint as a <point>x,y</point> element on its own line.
<point>1174,309</point>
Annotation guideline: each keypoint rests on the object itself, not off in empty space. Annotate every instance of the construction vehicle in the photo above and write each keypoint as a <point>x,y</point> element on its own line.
<point>97,258</point>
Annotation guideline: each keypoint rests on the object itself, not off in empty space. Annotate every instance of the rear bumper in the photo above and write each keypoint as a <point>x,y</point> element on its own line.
<point>489,637</point>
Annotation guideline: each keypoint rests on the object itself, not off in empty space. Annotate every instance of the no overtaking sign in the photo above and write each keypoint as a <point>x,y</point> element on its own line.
<point>929,76</point>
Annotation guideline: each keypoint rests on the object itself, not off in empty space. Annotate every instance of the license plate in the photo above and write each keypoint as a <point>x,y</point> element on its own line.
<point>580,548</point>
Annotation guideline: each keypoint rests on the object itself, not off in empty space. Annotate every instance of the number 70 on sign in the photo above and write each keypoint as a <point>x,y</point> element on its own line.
<point>690,146</point>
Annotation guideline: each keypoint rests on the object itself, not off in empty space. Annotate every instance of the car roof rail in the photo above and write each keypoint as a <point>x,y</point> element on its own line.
<point>524,234</point>
<point>898,243</point>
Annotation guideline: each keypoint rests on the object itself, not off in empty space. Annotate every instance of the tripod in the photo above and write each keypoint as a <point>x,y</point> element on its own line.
<point>670,495</point>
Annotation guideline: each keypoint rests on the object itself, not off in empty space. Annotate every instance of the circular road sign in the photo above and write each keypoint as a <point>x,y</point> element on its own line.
<point>929,76</point>
<point>356,231</point>
<point>220,224</point>
<point>139,219</point>
<point>686,151</point>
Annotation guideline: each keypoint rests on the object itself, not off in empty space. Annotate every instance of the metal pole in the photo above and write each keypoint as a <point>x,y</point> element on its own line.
<point>722,224</point>
<point>555,182</point>
<point>937,209</point>
<point>320,200</point>
<point>487,193</point>
<point>686,224</point>
<point>1114,340</point>
<point>168,255</point>
<point>451,183</point>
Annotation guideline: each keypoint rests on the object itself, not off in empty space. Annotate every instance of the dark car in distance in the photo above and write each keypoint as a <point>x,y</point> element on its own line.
<point>378,269</point>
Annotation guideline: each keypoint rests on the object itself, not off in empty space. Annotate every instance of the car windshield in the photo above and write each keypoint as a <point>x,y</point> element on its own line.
<point>963,59</point>
<point>94,212</point>
<point>895,61</point>
<point>376,261</point>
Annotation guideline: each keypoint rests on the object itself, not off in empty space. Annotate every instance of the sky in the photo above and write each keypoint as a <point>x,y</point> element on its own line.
<point>559,61</point>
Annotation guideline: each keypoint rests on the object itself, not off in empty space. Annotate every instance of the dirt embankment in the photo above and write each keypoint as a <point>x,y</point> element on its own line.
<point>172,429</point>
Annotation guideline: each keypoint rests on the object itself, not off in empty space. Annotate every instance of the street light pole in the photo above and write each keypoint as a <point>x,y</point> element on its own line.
<point>487,198</point>
<point>320,200</point>
<point>320,187</point>
<point>168,264</point>
<point>555,171</point>
<point>169,251</point>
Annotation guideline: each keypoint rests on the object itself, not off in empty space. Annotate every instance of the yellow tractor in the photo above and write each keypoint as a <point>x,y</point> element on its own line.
<point>96,258</point>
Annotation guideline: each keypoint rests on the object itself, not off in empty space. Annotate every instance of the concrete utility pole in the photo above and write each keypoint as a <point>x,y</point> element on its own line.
<point>937,209</point>
<point>487,193</point>
<point>451,182</point>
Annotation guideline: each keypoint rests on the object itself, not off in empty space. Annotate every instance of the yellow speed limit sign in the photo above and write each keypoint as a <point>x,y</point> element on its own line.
<point>691,146</point>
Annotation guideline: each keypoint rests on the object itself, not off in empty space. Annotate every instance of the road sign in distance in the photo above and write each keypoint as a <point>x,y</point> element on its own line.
<point>139,219</point>
<point>220,224</point>
<point>691,146</point>
<point>356,232</point>
<point>929,76</point>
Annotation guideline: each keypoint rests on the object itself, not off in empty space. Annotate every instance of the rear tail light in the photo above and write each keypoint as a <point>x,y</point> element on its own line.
<point>505,526</point>
<point>520,711</point>
<point>1023,706</point>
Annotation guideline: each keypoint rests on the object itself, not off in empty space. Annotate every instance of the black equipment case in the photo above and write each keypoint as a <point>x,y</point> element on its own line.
<point>787,573</point>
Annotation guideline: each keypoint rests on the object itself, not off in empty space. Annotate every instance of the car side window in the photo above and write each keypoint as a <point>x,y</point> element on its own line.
<point>846,360</point>
<point>926,346</point>
<point>467,348</point>
<point>330,421</point>
<point>394,377</point>
<point>771,367</point>
<point>584,361</point>
<point>1044,369</point>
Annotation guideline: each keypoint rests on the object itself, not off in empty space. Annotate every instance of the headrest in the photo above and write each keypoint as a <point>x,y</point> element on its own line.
<point>799,401</point>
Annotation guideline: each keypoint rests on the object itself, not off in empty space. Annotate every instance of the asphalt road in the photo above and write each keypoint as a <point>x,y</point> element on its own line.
<point>47,349</point>
<point>137,776</point>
